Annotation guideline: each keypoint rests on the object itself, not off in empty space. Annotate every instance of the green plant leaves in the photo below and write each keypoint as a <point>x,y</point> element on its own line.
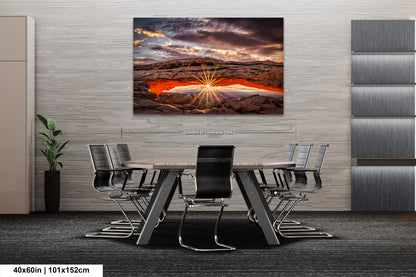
<point>51,124</point>
<point>47,139</point>
<point>50,156</point>
<point>57,133</point>
<point>53,147</point>
<point>43,120</point>
<point>64,142</point>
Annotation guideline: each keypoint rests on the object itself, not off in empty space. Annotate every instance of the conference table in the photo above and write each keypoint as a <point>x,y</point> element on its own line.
<point>243,169</point>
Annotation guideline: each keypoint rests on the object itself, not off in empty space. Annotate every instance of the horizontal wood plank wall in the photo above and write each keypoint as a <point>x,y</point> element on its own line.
<point>84,80</point>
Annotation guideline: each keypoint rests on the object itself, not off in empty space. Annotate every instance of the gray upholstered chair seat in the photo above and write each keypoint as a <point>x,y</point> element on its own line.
<point>106,189</point>
<point>133,188</point>
<point>274,190</point>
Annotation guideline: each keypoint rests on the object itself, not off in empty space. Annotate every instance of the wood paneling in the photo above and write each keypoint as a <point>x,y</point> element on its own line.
<point>84,80</point>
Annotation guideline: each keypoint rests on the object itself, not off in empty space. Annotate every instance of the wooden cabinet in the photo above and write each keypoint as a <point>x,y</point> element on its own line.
<point>17,110</point>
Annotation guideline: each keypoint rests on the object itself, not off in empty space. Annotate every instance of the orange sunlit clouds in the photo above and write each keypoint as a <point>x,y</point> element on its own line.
<point>150,33</point>
<point>154,34</point>
<point>138,41</point>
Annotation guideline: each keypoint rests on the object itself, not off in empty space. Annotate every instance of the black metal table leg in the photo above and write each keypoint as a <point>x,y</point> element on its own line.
<point>161,195</point>
<point>254,198</point>
<point>172,193</point>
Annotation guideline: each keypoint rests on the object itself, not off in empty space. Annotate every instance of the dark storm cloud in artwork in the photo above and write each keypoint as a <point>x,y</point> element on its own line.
<point>263,29</point>
<point>244,32</point>
<point>227,39</point>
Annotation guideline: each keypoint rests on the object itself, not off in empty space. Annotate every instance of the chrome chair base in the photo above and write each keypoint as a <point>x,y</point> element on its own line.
<point>252,218</point>
<point>125,222</point>
<point>120,231</point>
<point>223,247</point>
<point>137,222</point>
<point>291,222</point>
<point>296,228</point>
<point>112,234</point>
<point>293,232</point>
<point>304,235</point>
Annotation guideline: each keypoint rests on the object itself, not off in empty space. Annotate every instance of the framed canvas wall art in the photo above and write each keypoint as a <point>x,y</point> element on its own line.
<point>208,65</point>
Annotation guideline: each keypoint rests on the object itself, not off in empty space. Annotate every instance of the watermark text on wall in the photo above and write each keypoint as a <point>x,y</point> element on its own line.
<point>208,133</point>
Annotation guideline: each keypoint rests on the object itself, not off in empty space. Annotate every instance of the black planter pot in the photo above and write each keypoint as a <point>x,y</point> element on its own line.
<point>52,190</point>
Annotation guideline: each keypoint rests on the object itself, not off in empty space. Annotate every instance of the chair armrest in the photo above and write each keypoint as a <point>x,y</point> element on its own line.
<point>191,176</point>
<point>187,173</point>
<point>302,190</point>
<point>109,170</point>
<point>294,169</point>
<point>116,170</point>
<point>131,168</point>
<point>179,180</point>
<point>281,168</point>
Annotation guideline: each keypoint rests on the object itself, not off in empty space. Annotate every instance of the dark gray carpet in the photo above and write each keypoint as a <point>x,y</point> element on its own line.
<point>370,244</point>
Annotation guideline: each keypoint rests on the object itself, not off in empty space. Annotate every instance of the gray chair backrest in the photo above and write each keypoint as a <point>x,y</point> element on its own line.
<point>290,152</point>
<point>303,155</point>
<point>99,159</point>
<point>302,180</point>
<point>214,166</point>
<point>123,152</point>
<point>301,177</point>
<point>320,157</point>
<point>114,151</point>
<point>124,155</point>
<point>114,155</point>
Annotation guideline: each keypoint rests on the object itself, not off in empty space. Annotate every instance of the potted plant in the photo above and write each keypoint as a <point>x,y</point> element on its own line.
<point>52,153</point>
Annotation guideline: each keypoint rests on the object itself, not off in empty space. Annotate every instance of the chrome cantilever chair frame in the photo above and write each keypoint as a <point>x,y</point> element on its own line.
<point>285,177</point>
<point>115,160</point>
<point>119,153</point>
<point>215,166</point>
<point>124,231</point>
<point>104,183</point>
<point>265,186</point>
<point>216,239</point>
<point>292,200</point>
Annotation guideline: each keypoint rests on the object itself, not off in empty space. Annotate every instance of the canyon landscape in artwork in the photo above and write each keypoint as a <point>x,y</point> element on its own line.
<point>208,66</point>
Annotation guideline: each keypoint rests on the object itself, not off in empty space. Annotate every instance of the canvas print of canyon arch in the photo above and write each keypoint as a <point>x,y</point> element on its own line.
<point>208,65</point>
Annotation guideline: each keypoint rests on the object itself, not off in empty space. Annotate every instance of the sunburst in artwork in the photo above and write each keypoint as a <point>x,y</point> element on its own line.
<point>209,95</point>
